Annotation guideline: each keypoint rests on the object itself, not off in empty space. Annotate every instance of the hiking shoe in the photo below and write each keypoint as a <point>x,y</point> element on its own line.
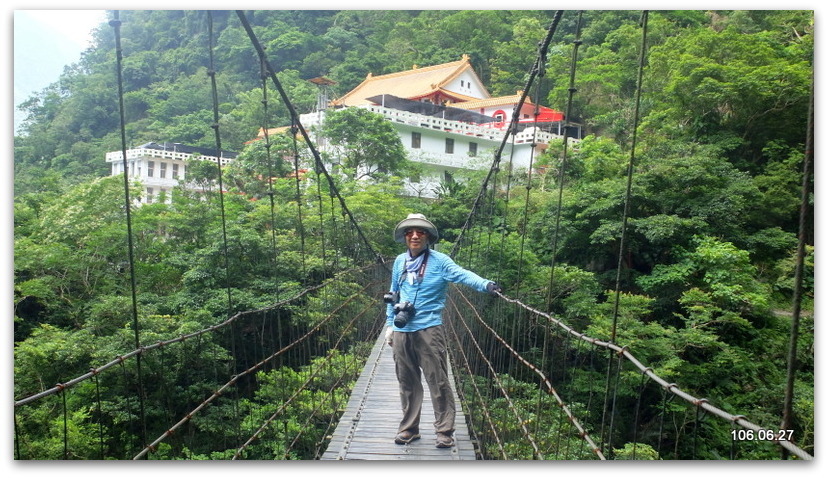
<point>444,440</point>
<point>405,437</point>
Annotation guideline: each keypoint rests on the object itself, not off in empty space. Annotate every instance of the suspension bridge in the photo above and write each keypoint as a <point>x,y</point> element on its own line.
<point>310,377</point>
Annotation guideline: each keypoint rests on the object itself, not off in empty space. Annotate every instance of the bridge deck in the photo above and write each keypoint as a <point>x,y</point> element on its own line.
<point>369,424</point>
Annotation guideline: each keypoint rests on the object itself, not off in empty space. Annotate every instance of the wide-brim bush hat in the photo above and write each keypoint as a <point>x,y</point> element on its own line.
<point>418,221</point>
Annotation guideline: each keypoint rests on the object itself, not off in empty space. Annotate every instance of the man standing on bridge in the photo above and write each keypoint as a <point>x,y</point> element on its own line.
<point>419,280</point>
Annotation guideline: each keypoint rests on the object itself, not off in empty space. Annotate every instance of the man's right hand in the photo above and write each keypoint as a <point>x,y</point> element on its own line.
<point>389,336</point>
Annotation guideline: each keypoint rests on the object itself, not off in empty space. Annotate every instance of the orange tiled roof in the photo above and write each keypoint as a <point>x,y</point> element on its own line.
<point>417,82</point>
<point>486,102</point>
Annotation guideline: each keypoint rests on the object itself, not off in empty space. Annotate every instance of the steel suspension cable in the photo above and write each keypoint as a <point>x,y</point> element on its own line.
<point>624,221</point>
<point>501,387</point>
<point>540,373</point>
<point>234,379</point>
<point>469,369</point>
<point>299,199</point>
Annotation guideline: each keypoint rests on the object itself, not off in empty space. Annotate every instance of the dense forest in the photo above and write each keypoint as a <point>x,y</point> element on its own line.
<point>715,208</point>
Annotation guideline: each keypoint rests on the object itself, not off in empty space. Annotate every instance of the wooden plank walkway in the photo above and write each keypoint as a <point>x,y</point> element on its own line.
<point>369,424</point>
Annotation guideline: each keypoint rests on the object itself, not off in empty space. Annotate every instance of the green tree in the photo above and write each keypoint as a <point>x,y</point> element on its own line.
<point>365,143</point>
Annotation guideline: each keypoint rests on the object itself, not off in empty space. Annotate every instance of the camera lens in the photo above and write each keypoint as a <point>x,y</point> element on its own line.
<point>404,312</point>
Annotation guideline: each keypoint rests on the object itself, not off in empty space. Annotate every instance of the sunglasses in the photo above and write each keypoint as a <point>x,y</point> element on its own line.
<point>419,232</point>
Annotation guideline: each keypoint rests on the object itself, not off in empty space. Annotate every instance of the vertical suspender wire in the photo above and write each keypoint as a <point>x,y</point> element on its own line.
<point>787,410</point>
<point>515,117</point>
<point>630,167</point>
<point>641,56</point>
<point>269,159</point>
<point>215,126</point>
<point>212,74</point>
<point>321,208</point>
<point>65,425</point>
<point>115,23</point>
<point>638,409</point>
<point>99,415</point>
<point>271,196</point>
<point>515,322</point>
<point>540,66</point>
<point>567,127</point>
<point>293,130</point>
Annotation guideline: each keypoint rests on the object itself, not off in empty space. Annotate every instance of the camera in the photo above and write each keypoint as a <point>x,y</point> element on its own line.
<point>391,297</point>
<point>404,311</point>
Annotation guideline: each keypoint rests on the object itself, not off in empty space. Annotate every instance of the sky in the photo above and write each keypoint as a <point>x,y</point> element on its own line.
<point>74,24</point>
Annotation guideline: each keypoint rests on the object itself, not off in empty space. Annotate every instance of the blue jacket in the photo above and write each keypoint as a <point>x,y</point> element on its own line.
<point>429,294</point>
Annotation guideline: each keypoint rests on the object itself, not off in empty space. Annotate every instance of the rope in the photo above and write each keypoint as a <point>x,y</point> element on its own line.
<point>298,197</point>
<point>218,393</point>
<point>213,328</point>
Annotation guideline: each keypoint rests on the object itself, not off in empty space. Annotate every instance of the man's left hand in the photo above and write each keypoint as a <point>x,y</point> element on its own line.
<point>493,288</point>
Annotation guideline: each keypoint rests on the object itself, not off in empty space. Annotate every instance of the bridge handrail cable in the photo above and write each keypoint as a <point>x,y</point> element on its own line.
<point>122,358</point>
<point>250,370</point>
<point>669,387</point>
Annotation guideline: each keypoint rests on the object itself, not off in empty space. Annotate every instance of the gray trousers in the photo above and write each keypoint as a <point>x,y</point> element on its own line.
<point>424,349</point>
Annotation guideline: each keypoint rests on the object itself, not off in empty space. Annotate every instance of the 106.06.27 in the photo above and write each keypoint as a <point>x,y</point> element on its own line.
<point>761,435</point>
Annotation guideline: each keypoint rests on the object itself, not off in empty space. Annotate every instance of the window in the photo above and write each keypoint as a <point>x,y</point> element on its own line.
<point>150,168</point>
<point>163,170</point>
<point>149,195</point>
<point>472,149</point>
<point>416,138</point>
<point>175,171</point>
<point>449,146</point>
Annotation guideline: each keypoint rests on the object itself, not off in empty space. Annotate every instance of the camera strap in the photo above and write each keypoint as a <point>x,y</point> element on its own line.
<point>420,274</point>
